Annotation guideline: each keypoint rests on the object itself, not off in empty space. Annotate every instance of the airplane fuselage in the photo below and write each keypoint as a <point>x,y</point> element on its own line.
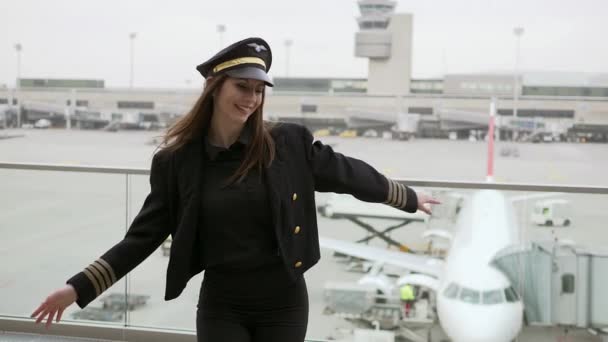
<point>475,301</point>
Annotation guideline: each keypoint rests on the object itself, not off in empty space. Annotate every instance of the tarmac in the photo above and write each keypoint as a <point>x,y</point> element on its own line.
<point>53,224</point>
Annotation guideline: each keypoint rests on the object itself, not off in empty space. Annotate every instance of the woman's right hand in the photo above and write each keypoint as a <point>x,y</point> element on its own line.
<point>54,304</point>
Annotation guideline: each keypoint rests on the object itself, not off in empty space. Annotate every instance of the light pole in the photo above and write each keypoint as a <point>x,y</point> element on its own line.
<point>18,48</point>
<point>518,31</point>
<point>221,28</point>
<point>132,37</point>
<point>288,44</point>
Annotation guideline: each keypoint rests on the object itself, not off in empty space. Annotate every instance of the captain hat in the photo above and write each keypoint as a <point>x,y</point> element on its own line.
<point>248,58</point>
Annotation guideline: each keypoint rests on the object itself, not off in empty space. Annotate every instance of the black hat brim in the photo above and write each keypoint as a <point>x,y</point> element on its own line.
<point>252,73</point>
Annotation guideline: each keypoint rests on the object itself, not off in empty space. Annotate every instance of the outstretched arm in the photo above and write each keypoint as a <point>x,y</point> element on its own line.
<point>335,172</point>
<point>148,230</point>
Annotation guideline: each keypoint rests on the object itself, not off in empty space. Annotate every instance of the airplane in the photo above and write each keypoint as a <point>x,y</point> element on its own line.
<point>475,301</point>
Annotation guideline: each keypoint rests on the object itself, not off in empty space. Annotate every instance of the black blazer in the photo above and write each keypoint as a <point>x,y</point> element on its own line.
<point>300,168</point>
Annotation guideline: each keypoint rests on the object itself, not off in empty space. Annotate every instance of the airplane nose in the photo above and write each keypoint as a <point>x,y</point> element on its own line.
<point>464,322</point>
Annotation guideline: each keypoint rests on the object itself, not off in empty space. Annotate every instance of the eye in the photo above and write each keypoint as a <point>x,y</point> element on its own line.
<point>259,91</point>
<point>242,85</point>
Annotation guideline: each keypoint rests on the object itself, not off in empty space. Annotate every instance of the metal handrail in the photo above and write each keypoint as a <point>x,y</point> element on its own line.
<point>75,168</point>
<point>133,333</point>
<point>581,189</point>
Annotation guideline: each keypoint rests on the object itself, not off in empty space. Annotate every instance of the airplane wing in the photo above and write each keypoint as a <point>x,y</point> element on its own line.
<point>528,197</point>
<point>416,263</point>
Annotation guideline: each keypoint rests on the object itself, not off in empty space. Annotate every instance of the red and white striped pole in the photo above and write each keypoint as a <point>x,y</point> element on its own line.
<point>490,137</point>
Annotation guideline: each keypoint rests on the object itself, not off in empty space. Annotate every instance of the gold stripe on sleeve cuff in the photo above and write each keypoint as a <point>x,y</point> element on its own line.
<point>95,272</point>
<point>397,194</point>
<point>108,268</point>
<point>93,281</point>
<point>390,191</point>
<point>404,203</point>
<point>103,272</point>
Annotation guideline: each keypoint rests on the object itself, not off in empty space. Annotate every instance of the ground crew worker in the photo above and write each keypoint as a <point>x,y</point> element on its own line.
<point>408,296</point>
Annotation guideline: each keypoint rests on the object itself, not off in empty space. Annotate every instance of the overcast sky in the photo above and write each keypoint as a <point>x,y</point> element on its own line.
<point>90,39</point>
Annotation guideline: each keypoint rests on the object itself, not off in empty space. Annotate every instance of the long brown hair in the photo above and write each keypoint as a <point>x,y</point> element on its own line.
<point>260,150</point>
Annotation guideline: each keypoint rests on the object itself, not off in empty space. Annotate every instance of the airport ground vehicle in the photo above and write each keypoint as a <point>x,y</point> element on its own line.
<point>552,212</point>
<point>42,123</point>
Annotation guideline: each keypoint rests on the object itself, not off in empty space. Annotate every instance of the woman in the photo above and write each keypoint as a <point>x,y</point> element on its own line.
<point>237,196</point>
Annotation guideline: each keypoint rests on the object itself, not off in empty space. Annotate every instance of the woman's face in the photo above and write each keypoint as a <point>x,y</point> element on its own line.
<point>238,98</point>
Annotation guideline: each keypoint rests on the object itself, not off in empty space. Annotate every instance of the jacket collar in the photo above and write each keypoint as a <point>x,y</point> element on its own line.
<point>212,151</point>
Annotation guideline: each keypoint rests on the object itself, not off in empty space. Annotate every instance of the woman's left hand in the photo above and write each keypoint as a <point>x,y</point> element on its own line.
<point>425,201</point>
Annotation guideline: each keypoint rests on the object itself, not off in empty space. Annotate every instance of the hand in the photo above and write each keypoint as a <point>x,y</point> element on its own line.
<point>425,201</point>
<point>55,303</point>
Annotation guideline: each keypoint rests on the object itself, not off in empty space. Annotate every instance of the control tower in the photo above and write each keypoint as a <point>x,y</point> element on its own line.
<point>386,39</point>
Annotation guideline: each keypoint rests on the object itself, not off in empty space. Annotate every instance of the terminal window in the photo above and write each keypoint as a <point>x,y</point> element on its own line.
<point>420,110</point>
<point>79,103</point>
<point>308,108</point>
<point>136,104</point>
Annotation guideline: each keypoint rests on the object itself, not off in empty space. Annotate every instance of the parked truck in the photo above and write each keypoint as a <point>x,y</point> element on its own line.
<point>552,212</point>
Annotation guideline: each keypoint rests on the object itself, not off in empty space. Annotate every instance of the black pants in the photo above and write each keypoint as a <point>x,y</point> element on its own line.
<point>262,305</point>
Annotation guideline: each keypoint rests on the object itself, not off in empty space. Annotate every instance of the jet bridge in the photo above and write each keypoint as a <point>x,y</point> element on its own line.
<point>561,284</point>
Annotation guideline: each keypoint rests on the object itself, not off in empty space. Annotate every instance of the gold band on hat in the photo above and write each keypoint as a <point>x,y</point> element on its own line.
<point>238,61</point>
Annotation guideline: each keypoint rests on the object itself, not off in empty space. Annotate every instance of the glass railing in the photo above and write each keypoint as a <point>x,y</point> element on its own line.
<point>56,219</point>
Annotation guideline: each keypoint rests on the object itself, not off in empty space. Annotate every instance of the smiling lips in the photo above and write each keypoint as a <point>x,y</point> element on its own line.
<point>244,109</point>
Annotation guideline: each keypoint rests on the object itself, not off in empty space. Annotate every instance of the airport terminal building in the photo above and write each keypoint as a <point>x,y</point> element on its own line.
<point>531,102</point>
<point>574,101</point>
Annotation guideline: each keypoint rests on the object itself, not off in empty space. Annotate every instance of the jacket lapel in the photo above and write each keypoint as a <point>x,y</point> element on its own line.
<point>189,171</point>
<point>274,180</point>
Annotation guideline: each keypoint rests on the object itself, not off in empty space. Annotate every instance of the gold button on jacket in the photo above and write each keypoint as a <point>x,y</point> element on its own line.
<point>298,264</point>
<point>296,230</point>
<point>294,197</point>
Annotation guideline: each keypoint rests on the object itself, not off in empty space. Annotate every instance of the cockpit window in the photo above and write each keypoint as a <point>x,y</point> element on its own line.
<point>469,295</point>
<point>451,291</point>
<point>511,295</point>
<point>492,297</point>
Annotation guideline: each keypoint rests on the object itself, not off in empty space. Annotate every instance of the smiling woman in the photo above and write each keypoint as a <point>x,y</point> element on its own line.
<point>237,197</point>
<point>235,101</point>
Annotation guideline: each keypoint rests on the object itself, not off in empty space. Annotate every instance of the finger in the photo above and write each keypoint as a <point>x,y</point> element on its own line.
<point>433,201</point>
<point>59,314</point>
<point>41,316</point>
<point>423,208</point>
<point>38,310</point>
<point>50,320</point>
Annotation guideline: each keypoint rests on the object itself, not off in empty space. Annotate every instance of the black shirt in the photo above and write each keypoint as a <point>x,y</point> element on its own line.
<point>236,217</point>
